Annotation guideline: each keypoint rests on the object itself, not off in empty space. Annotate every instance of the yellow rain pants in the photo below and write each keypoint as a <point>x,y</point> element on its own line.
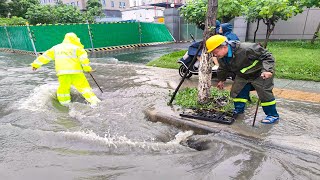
<point>79,81</point>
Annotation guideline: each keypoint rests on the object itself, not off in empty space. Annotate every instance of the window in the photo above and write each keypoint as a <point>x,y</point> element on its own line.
<point>104,2</point>
<point>72,3</point>
<point>112,3</point>
<point>78,3</point>
<point>122,4</point>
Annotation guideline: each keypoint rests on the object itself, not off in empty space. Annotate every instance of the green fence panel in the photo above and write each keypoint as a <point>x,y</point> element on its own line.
<point>104,35</point>
<point>187,29</point>
<point>151,32</point>
<point>115,34</point>
<point>46,36</point>
<point>4,43</point>
<point>19,38</point>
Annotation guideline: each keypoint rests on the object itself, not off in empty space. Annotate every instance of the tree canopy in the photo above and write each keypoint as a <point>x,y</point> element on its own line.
<point>270,12</point>
<point>41,14</point>
<point>93,9</point>
<point>68,14</point>
<point>3,8</point>
<point>13,21</point>
<point>37,13</point>
<point>195,10</point>
<point>20,7</point>
<point>93,3</point>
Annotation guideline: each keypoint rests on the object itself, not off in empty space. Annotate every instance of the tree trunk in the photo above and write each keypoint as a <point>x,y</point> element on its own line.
<point>205,64</point>
<point>315,34</point>
<point>255,32</point>
<point>270,27</point>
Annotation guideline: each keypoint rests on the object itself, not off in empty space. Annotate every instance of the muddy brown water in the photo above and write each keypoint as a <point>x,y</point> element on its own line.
<point>42,140</point>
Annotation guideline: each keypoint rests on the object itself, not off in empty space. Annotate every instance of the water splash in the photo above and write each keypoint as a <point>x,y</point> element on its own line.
<point>123,143</point>
<point>38,99</point>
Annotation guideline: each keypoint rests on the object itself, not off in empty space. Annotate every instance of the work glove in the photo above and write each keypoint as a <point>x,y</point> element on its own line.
<point>87,69</point>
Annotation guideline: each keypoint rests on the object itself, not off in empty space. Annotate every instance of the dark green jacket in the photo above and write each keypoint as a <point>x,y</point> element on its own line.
<point>248,61</point>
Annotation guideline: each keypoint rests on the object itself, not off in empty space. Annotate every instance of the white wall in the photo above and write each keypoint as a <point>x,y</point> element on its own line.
<point>301,26</point>
<point>143,15</point>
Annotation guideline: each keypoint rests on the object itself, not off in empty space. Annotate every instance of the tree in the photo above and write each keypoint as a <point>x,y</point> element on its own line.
<point>308,3</point>
<point>93,9</point>
<point>305,3</point>
<point>3,8</point>
<point>195,10</point>
<point>68,14</point>
<point>93,3</point>
<point>205,64</point>
<point>12,21</point>
<point>47,14</point>
<point>20,7</point>
<point>316,34</point>
<point>41,14</point>
<point>270,12</point>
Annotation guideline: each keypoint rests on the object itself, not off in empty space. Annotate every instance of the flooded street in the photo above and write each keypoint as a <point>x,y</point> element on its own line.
<point>40,139</point>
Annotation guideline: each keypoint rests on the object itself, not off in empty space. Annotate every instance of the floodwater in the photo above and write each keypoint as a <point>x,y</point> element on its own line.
<point>40,139</point>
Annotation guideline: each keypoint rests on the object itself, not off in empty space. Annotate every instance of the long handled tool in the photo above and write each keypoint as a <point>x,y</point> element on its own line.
<point>258,103</point>
<point>96,82</point>
<point>186,73</point>
<point>255,114</point>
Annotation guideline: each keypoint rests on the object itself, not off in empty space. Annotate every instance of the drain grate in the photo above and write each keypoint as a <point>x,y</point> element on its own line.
<point>210,116</point>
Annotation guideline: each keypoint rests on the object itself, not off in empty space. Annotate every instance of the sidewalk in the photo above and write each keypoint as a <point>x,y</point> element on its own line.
<point>306,86</point>
<point>297,90</point>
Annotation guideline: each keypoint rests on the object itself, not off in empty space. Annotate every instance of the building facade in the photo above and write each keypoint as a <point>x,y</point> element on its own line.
<point>134,3</point>
<point>143,13</point>
<point>81,4</point>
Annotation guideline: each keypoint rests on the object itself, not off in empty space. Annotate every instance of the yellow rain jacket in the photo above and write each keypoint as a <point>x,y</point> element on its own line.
<point>70,56</point>
<point>70,61</point>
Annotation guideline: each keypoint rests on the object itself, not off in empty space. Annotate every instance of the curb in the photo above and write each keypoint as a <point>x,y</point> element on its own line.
<point>203,127</point>
<point>112,48</point>
<point>126,46</point>
<point>17,51</point>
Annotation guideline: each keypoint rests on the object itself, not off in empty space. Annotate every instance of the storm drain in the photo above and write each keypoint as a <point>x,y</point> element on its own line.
<point>209,116</point>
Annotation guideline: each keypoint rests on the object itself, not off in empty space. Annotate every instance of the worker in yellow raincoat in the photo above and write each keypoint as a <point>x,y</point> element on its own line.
<point>70,61</point>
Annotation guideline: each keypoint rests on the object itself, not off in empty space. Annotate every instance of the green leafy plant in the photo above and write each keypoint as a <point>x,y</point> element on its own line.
<point>12,21</point>
<point>195,10</point>
<point>220,100</point>
<point>4,8</point>
<point>19,8</point>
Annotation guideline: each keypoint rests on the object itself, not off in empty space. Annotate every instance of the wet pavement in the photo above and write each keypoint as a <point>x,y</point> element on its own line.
<point>40,139</point>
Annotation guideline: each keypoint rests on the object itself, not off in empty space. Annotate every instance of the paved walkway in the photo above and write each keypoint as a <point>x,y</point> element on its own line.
<point>297,90</point>
<point>308,86</point>
<point>284,88</point>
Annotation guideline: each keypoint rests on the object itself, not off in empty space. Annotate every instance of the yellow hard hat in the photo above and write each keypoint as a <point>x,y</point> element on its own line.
<point>214,41</point>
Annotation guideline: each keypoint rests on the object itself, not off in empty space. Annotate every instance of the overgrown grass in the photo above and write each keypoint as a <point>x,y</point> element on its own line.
<point>298,60</point>
<point>220,100</point>
<point>168,60</point>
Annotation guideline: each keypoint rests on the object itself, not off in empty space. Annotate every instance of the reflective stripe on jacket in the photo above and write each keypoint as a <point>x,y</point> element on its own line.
<point>248,61</point>
<point>69,57</point>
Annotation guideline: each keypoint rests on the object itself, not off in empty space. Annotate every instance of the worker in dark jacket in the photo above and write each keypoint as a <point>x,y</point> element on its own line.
<point>202,26</point>
<point>254,68</point>
<point>226,30</point>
